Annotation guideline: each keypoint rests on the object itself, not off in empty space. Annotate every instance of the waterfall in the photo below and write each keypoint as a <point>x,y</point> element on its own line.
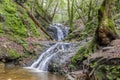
<point>43,61</point>
<point>60,33</point>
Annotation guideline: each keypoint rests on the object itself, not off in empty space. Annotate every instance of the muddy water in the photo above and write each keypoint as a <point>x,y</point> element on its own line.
<point>17,73</point>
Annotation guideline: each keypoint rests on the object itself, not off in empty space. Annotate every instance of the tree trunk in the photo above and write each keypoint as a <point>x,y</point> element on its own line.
<point>105,32</point>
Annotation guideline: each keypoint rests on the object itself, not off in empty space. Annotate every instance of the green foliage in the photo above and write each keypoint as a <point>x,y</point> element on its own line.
<point>1,29</point>
<point>103,72</point>
<point>83,52</point>
<point>15,20</point>
<point>15,25</point>
<point>78,57</point>
<point>87,15</point>
<point>44,10</point>
<point>113,72</point>
<point>71,14</point>
<point>72,67</point>
<point>13,53</point>
<point>33,29</point>
<point>9,6</point>
<point>83,35</point>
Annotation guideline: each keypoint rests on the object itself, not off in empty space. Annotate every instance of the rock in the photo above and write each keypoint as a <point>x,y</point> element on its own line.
<point>77,75</point>
<point>52,30</point>
<point>117,23</point>
<point>115,42</point>
<point>39,48</point>
<point>109,55</point>
<point>60,62</point>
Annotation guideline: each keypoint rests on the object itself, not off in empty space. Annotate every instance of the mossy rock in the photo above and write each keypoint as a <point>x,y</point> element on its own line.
<point>14,54</point>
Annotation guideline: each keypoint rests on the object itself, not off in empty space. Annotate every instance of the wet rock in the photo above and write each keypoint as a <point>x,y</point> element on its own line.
<point>117,23</point>
<point>52,30</point>
<point>65,29</point>
<point>77,75</point>
<point>39,48</point>
<point>59,63</point>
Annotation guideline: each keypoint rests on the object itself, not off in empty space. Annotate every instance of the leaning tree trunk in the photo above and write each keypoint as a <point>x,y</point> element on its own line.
<point>105,32</point>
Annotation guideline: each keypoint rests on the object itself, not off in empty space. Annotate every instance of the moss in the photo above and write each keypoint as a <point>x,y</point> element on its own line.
<point>113,72</point>
<point>103,72</point>
<point>102,8</point>
<point>13,53</point>
<point>78,56</point>
<point>15,25</point>
<point>111,26</point>
<point>1,29</point>
<point>15,20</point>
<point>33,28</point>
<point>83,52</point>
<point>10,7</point>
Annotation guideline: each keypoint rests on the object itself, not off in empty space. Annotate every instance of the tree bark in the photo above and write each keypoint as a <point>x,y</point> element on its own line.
<point>105,31</point>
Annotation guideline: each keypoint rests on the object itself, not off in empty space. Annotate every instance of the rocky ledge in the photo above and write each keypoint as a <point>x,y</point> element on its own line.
<point>20,52</point>
<point>109,55</point>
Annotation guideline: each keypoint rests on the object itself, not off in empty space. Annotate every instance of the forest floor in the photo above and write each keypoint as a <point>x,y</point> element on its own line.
<point>19,50</point>
<point>105,56</point>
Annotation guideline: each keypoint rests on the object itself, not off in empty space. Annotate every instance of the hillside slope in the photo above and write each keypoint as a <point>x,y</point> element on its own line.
<point>18,32</point>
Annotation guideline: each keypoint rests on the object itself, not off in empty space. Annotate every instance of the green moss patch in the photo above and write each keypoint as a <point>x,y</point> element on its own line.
<point>13,53</point>
<point>17,22</point>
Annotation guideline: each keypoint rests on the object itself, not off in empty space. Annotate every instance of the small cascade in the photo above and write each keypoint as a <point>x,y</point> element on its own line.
<point>60,34</point>
<point>43,61</point>
<point>58,31</point>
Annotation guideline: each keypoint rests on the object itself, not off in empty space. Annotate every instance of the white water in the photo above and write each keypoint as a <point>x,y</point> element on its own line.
<point>41,64</point>
<point>60,34</point>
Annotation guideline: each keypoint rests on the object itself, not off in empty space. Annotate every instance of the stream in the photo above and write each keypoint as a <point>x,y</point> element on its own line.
<point>17,73</point>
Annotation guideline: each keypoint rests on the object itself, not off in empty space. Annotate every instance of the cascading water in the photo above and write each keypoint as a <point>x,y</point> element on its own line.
<point>43,61</point>
<point>60,34</point>
<point>58,31</point>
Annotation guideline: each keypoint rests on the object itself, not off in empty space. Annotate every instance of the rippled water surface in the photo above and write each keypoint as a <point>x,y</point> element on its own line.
<point>22,74</point>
